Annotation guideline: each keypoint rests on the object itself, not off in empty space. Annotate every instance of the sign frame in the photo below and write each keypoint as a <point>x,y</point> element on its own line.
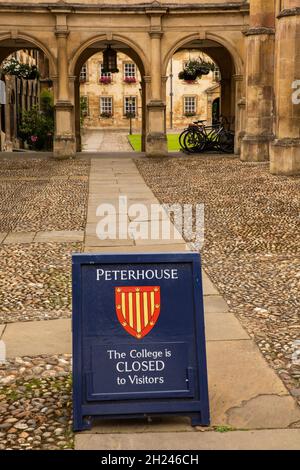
<point>197,409</point>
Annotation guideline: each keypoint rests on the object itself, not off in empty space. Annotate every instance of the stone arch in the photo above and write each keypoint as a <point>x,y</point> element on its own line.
<point>38,44</point>
<point>138,52</point>
<point>227,57</point>
<point>82,54</point>
<point>236,58</point>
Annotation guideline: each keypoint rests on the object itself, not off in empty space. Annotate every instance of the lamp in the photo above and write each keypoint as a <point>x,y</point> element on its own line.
<point>110,60</point>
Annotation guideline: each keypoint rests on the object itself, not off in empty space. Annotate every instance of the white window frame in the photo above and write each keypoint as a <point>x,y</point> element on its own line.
<point>129,70</point>
<point>104,74</point>
<point>106,105</point>
<point>189,104</point>
<point>83,76</point>
<point>126,106</point>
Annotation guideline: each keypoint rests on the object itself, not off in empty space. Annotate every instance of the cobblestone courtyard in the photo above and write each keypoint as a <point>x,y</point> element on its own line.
<point>251,252</point>
<point>252,244</point>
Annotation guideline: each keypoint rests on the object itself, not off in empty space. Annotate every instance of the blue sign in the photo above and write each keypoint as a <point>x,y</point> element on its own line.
<point>138,337</point>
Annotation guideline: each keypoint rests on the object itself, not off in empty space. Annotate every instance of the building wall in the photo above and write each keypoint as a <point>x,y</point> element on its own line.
<point>92,88</point>
<point>118,90</point>
<point>180,89</point>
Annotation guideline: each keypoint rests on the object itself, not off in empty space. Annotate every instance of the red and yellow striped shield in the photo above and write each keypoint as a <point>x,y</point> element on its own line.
<point>138,309</point>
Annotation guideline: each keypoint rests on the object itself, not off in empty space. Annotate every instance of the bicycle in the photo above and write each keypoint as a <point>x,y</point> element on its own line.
<point>199,138</point>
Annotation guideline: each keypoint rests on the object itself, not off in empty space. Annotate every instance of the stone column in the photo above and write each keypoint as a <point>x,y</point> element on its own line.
<point>239,111</point>
<point>156,140</point>
<point>285,150</point>
<point>259,81</point>
<point>64,139</point>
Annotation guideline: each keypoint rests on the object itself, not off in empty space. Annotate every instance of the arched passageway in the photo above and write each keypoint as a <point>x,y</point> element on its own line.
<point>230,79</point>
<point>26,66</point>
<point>82,57</point>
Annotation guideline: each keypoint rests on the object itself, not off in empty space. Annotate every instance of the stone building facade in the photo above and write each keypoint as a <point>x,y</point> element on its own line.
<point>109,98</point>
<point>255,44</point>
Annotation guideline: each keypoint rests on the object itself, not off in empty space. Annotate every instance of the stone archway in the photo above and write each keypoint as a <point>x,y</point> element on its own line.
<point>18,88</point>
<point>90,48</point>
<point>224,54</point>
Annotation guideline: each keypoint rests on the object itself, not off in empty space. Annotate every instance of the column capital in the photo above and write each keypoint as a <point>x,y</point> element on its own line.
<point>259,31</point>
<point>147,78</point>
<point>62,33</point>
<point>155,34</point>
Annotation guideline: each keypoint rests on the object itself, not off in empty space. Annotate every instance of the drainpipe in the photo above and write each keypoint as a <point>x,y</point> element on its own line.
<point>171,94</point>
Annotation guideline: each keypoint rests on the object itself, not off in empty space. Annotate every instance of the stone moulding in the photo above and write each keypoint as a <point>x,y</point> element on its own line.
<point>287,142</point>
<point>289,12</point>
<point>259,31</point>
<point>75,7</point>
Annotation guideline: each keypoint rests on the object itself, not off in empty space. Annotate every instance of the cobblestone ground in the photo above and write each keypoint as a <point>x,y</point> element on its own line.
<point>252,245</point>
<point>43,195</point>
<point>35,281</point>
<point>36,403</point>
<point>39,195</point>
<point>35,284</point>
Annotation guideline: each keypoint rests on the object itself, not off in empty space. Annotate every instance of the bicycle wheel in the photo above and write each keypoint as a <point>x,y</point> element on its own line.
<point>181,138</point>
<point>226,142</point>
<point>194,141</point>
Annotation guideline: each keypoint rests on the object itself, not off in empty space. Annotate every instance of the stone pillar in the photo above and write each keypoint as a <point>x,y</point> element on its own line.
<point>64,139</point>
<point>239,111</point>
<point>259,81</point>
<point>156,140</point>
<point>285,150</point>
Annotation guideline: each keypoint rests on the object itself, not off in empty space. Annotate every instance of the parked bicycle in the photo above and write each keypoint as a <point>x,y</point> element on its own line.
<point>199,138</point>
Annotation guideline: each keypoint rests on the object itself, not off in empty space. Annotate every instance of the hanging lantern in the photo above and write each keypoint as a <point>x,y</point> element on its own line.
<point>110,60</point>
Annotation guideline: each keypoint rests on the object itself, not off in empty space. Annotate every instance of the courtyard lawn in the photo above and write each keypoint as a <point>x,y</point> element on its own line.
<point>173,144</point>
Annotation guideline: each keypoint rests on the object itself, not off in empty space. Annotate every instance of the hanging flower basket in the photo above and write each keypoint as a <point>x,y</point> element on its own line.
<point>195,69</point>
<point>14,67</point>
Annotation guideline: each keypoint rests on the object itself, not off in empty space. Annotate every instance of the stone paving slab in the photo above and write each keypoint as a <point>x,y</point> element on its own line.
<point>37,338</point>
<point>137,249</point>
<point>215,304</point>
<point>19,237</point>
<point>61,236</point>
<point>208,286</point>
<point>2,236</point>
<point>2,328</point>
<point>277,439</point>
<point>238,375</point>
<point>227,327</point>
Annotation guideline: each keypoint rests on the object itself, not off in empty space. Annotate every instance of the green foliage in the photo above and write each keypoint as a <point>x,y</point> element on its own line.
<point>83,109</point>
<point>37,125</point>
<point>14,67</point>
<point>195,69</point>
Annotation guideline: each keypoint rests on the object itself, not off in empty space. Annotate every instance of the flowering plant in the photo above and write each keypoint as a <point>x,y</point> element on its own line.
<point>14,67</point>
<point>106,114</point>
<point>130,80</point>
<point>105,80</point>
<point>195,69</point>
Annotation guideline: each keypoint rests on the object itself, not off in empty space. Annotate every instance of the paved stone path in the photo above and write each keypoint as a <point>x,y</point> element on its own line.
<point>105,141</point>
<point>245,393</point>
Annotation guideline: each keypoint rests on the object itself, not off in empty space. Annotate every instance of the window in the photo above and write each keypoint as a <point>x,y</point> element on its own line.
<point>129,70</point>
<point>130,105</point>
<point>217,75</point>
<point>83,73</point>
<point>84,105</point>
<point>190,105</point>
<point>106,106</point>
<point>104,74</point>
